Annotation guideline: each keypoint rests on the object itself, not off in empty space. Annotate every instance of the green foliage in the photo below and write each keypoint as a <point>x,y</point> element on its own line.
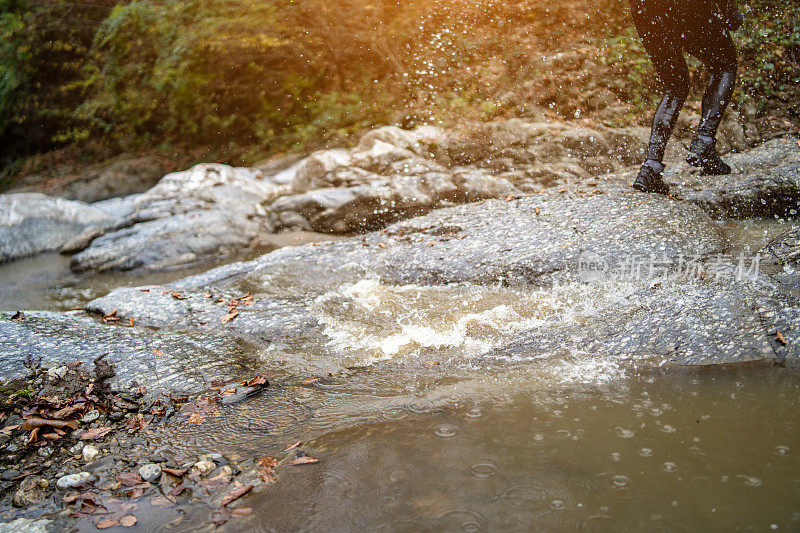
<point>254,76</point>
<point>769,42</point>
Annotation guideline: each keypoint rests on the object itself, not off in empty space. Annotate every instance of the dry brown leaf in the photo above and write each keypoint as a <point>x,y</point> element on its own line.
<point>257,380</point>
<point>218,481</point>
<point>232,313</point>
<point>95,433</point>
<point>430,364</point>
<point>32,422</point>
<point>160,501</point>
<point>129,479</point>
<point>267,475</point>
<point>310,380</point>
<point>536,210</point>
<point>270,462</point>
<point>381,245</point>
<point>145,290</point>
<point>128,520</point>
<point>779,337</point>
<point>293,446</point>
<point>107,523</point>
<point>19,316</point>
<point>177,472</point>
<point>236,493</point>
<point>305,460</point>
<point>158,353</point>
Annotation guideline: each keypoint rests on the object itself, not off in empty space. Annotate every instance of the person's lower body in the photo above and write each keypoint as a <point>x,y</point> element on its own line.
<point>665,45</point>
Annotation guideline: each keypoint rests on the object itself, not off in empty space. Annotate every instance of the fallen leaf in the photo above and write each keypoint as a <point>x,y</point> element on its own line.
<point>130,320</point>
<point>430,364</point>
<point>95,433</point>
<point>32,422</point>
<point>158,353</point>
<point>267,475</point>
<point>19,316</point>
<point>208,294</point>
<point>216,482</point>
<point>177,472</point>
<point>128,520</point>
<point>236,493</point>
<point>110,317</point>
<point>141,390</point>
<point>779,337</point>
<point>107,523</point>
<point>242,511</point>
<point>130,479</point>
<point>160,501</point>
<point>145,290</point>
<point>258,380</point>
<point>176,295</point>
<point>232,313</point>
<point>293,446</point>
<point>536,210</point>
<point>305,460</point>
<point>138,490</point>
<point>310,380</point>
<point>381,245</point>
<point>270,462</point>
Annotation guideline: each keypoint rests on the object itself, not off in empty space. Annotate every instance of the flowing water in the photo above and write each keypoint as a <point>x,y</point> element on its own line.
<point>417,434</point>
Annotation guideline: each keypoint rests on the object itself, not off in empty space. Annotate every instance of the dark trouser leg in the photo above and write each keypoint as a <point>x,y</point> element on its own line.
<point>662,44</point>
<point>663,124</point>
<point>715,49</point>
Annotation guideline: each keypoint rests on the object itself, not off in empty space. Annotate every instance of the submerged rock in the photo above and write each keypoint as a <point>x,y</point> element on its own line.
<point>33,223</point>
<point>162,361</point>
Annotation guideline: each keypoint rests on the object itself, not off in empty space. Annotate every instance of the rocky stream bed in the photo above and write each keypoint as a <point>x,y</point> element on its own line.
<point>531,252</point>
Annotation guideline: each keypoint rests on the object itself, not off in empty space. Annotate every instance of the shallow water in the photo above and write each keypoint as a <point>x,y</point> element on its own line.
<point>414,433</point>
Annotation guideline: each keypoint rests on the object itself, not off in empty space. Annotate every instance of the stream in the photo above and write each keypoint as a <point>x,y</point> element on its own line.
<point>420,435</point>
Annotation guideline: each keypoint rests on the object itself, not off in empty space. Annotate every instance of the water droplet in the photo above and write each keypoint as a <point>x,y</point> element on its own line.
<point>557,505</point>
<point>446,431</point>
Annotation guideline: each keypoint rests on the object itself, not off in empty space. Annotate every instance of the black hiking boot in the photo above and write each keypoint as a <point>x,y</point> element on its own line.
<point>649,178</point>
<point>703,154</point>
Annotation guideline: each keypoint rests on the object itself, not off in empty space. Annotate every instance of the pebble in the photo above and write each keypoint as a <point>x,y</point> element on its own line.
<point>75,450</point>
<point>72,480</point>
<point>216,457</point>
<point>150,472</point>
<point>204,467</point>
<point>90,453</point>
<point>54,374</point>
<point>45,452</point>
<point>9,474</point>
<point>91,416</point>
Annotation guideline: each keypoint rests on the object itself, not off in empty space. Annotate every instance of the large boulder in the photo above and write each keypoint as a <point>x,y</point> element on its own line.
<point>523,260</point>
<point>33,223</point>
<point>190,216</point>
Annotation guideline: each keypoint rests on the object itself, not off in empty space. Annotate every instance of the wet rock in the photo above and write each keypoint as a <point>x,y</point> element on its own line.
<point>33,223</point>
<point>73,480</point>
<point>203,467</point>
<point>784,250</point>
<point>150,472</point>
<point>241,394</point>
<point>77,448</point>
<point>27,525</point>
<point>32,491</point>
<point>188,216</point>
<point>182,362</point>
<point>90,417</point>
<point>121,207</point>
<point>9,474</point>
<point>90,453</point>
<point>57,373</point>
<point>765,183</point>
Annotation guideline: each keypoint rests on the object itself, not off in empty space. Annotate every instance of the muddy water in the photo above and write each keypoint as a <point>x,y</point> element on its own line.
<point>417,434</point>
